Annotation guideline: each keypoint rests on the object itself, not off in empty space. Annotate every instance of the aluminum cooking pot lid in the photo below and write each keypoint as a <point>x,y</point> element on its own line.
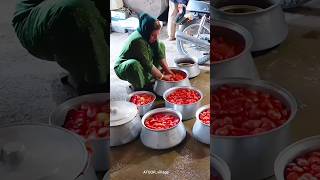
<point>40,152</point>
<point>122,112</point>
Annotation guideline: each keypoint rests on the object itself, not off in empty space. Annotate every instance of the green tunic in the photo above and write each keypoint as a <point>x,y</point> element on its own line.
<point>137,58</point>
<point>71,32</point>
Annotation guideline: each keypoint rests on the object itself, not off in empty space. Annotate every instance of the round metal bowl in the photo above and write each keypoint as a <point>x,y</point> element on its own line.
<point>162,139</point>
<point>100,157</point>
<point>259,17</point>
<point>293,151</point>
<point>144,108</point>
<point>124,132</point>
<point>161,86</point>
<point>201,131</point>
<point>189,64</point>
<point>246,151</point>
<point>241,65</point>
<point>188,111</point>
<point>219,167</point>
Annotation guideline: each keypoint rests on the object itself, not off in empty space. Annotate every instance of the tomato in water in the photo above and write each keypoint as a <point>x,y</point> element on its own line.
<point>162,121</point>
<point>306,166</point>
<point>240,111</point>
<point>184,96</point>
<point>204,116</point>
<point>90,120</point>
<point>142,99</point>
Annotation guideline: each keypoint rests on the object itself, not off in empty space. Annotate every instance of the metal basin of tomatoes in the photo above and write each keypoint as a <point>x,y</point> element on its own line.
<point>162,128</point>
<point>299,160</point>
<point>201,128</point>
<point>83,115</point>
<point>186,100</point>
<point>180,79</point>
<point>230,51</point>
<point>241,148</point>
<point>143,99</point>
<point>219,169</point>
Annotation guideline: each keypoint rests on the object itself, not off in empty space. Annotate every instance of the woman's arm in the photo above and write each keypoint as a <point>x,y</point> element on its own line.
<point>156,73</point>
<point>164,65</point>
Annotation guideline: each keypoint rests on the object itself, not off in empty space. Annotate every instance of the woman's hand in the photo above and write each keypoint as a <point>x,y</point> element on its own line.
<point>166,77</point>
<point>168,71</point>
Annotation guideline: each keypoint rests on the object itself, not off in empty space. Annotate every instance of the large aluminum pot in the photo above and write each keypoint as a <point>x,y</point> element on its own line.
<point>125,122</point>
<point>162,139</point>
<point>100,146</point>
<point>263,18</point>
<point>188,111</point>
<point>219,167</point>
<point>201,131</point>
<point>293,151</point>
<point>40,151</point>
<point>161,86</point>
<point>189,64</point>
<point>252,156</point>
<point>241,65</point>
<point>143,109</point>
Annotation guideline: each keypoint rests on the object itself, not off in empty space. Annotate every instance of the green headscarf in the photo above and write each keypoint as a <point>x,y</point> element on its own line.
<point>146,25</point>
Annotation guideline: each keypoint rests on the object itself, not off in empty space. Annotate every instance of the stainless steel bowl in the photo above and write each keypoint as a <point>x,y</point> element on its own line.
<point>127,129</point>
<point>218,164</point>
<point>201,131</point>
<point>250,157</point>
<point>161,86</point>
<point>266,23</point>
<point>162,139</point>
<point>100,158</point>
<point>291,152</point>
<point>144,108</point>
<point>189,64</point>
<point>241,65</point>
<point>188,111</point>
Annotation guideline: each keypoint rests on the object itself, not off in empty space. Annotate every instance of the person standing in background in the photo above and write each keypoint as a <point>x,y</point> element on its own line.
<point>173,11</point>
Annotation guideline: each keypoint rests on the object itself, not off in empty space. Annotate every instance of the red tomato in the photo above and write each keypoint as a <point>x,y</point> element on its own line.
<point>89,120</point>
<point>249,111</point>
<point>142,99</point>
<point>184,96</point>
<point>306,166</point>
<point>224,48</point>
<point>161,121</point>
<point>204,116</point>
<point>178,76</point>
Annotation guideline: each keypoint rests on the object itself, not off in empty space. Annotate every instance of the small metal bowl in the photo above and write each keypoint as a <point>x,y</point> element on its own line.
<point>100,146</point>
<point>188,111</point>
<point>201,131</point>
<point>162,139</point>
<point>293,151</point>
<point>144,108</point>
<point>189,64</point>
<point>161,86</point>
<point>220,166</point>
